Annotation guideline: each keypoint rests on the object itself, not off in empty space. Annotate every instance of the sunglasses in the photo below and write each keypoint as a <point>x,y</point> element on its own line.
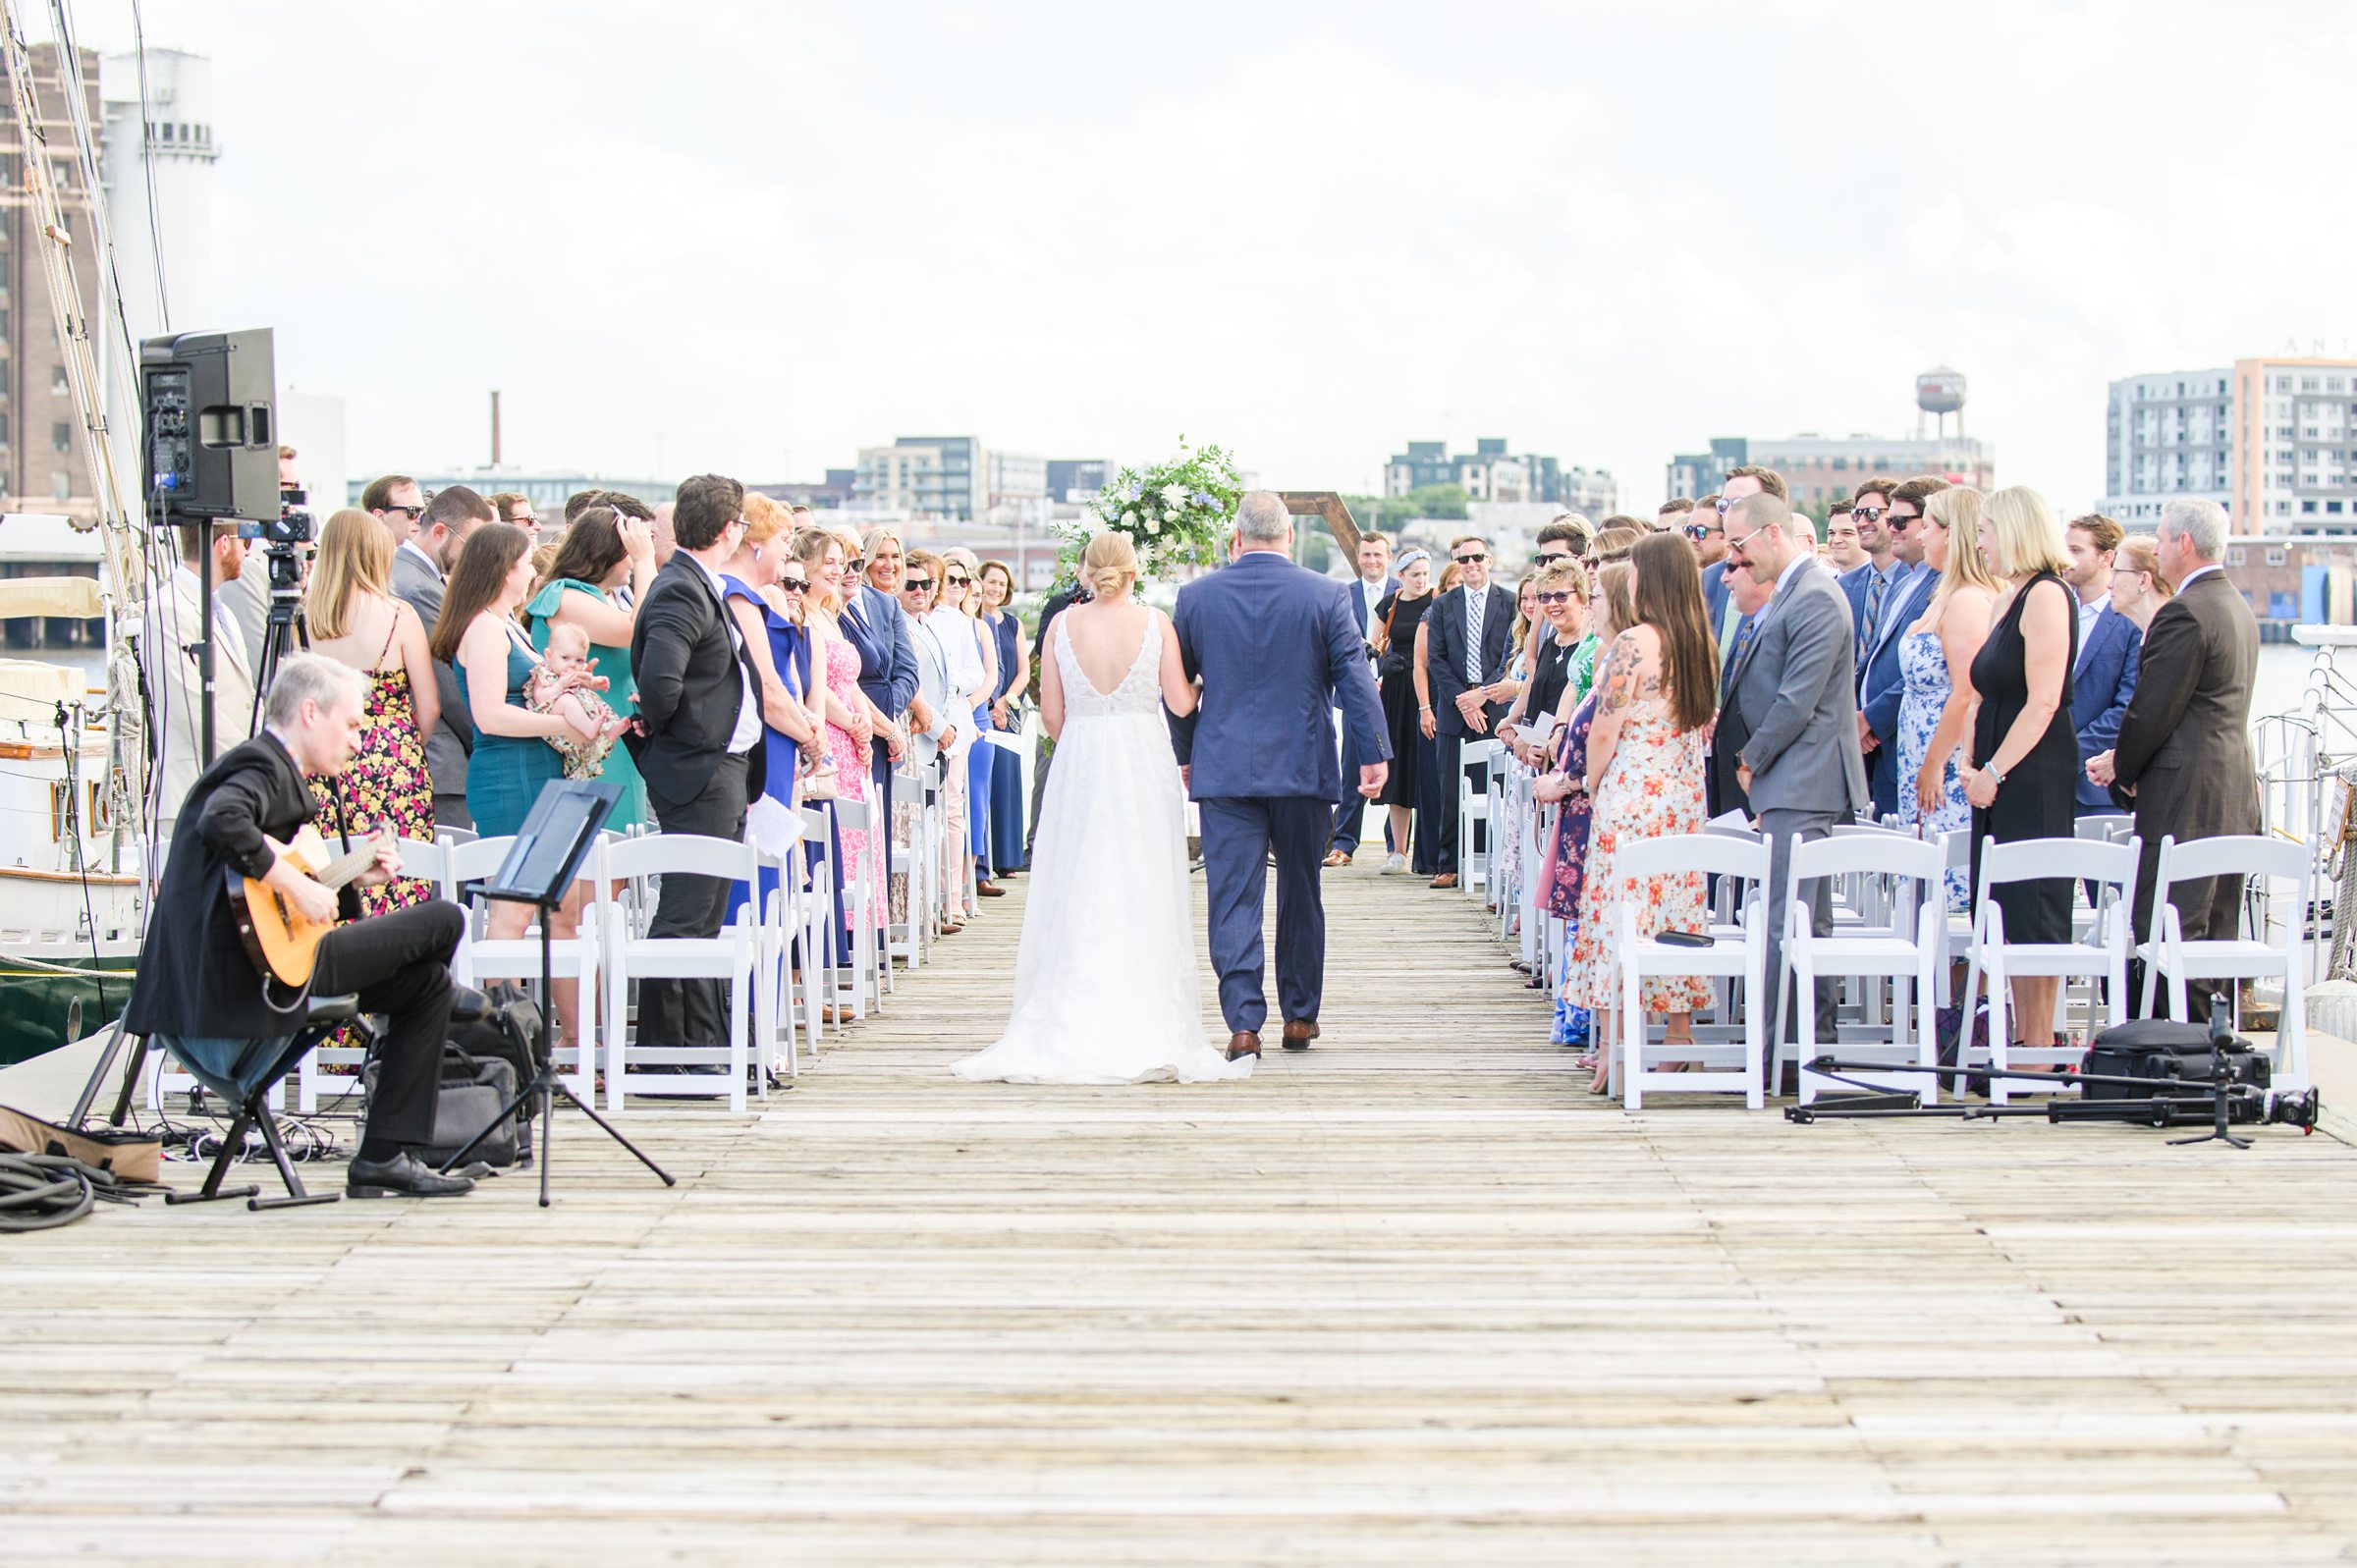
<point>1734,545</point>
<point>1558,597</point>
<point>1901,522</point>
<point>794,584</point>
<point>1870,514</point>
<point>1699,531</point>
<point>1722,505</point>
<point>853,564</point>
<point>414,512</point>
<point>915,584</point>
<point>959,582</point>
<point>1467,560</point>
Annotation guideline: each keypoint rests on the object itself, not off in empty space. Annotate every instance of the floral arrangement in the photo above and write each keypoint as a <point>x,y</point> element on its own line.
<point>1174,512</point>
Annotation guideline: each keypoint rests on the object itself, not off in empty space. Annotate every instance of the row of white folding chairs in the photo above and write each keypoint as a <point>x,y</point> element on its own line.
<point>1911,946</point>
<point>609,949</point>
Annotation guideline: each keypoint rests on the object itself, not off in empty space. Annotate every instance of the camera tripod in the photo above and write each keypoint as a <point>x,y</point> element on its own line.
<point>280,632</point>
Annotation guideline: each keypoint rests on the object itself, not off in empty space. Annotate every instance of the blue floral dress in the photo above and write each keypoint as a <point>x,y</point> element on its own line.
<point>1924,665</point>
<point>1570,854</point>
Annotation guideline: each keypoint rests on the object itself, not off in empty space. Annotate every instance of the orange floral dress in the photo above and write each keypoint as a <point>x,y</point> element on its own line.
<point>385,784</point>
<point>1651,789</point>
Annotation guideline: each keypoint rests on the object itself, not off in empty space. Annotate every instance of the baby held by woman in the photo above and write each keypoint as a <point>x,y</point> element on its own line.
<point>564,686</point>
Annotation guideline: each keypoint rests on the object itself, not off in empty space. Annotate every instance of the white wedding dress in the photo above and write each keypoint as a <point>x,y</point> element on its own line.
<point>1105,983</point>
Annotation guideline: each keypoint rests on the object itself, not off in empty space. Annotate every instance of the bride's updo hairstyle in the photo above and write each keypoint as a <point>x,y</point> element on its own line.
<point>1109,564</point>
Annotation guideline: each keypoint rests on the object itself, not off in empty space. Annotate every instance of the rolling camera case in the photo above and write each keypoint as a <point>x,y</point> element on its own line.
<point>2160,1048</point>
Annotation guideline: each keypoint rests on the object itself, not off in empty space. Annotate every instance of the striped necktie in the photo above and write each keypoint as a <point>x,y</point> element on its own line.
<point>1878,588</point>
<point>1474,607</point>
<point>1744,634</point>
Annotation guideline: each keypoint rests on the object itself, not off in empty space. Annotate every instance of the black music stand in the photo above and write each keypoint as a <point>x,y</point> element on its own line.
<point>541,864</point>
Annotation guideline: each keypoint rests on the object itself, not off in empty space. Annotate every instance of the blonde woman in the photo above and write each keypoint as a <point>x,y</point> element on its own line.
<point>962,579</point>
<point>835,691</point>
<point>1108,931</point>
<point>2138,590</point>
<point>355,620</point>
<point>2022,782</point>
<point>1935,658</point>
<point>970,678</point>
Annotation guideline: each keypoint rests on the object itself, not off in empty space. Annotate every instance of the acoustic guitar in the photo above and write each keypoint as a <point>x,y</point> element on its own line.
<point>278,938</point>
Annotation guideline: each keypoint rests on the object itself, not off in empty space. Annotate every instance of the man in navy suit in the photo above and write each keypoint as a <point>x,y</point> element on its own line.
<point>1276,650</point>
<point>1469,641</point>
<point>2111,650</point>
<point>875,624</point>
<point>1881,685</point>
<point>1365,592</point>
<point>1865,514</point>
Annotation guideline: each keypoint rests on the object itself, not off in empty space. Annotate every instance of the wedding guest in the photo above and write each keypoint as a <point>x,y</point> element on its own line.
<point>1365,592</point>
<point>1397,637</point>
<point>515,510</point>
<point>421,566</point>
<point>1005,717</point>
<point>849,714</point>
<point>1559,588</point>
<point>700,746</point>
<point>2025,755</point>
<point>1880,683</point>
<point>920,592</point>
<point>2183,763</point>
<point>1564,876</point>
<point>1936,652</point>
<point>1748,596</point>
<point>1842,551</point>
<point>479,636</point>
<point>1659,691</point>
<point>2138,590</point>
<point>767,617</point>
<point>354,619</point>
<point>970,677</point>
<point>879,632</point>
<point>394,500</point>
<point>2110,647</point>
<point>962,583</point>
<point>1470,635</point>
<point>601,554</point>
<point>555,687</point>
<point>1613,544</point>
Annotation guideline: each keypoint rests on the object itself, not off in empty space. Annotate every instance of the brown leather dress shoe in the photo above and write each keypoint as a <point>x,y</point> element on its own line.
<point>1298,1034</point>
<point>1243,1043</point>
<point>1338,857</point>
<point>1446,879</point>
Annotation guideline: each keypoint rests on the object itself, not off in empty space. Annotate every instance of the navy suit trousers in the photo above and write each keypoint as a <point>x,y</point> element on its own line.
<point>1239,834</point>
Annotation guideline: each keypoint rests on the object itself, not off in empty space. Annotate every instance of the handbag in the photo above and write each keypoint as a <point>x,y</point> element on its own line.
<point>820,784</point>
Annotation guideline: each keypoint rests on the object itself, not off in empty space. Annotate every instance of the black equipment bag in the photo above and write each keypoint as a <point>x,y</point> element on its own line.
<point>483,1063</point>
<point>2160,1048</point>
<point>510,1032</point>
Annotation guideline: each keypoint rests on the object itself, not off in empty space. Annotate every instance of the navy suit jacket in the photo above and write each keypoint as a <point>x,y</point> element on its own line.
<point>1714,595</point>
<point>1853,583</point>
<point>887,656</point>
<point>1278,651</point>
<point>2101,686</point>
<point>1881,683</point>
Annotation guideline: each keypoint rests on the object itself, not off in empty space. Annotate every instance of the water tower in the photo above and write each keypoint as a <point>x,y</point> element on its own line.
<point>1939,391</point>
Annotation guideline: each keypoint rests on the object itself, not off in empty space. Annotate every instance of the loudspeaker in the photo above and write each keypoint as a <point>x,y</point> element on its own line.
<point>209,404</point>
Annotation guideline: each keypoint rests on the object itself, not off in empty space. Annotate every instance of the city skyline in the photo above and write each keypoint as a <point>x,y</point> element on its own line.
<point>759,239</point>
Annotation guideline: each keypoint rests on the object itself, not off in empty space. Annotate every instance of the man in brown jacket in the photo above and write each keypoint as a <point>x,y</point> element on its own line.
<point>2182,762</point>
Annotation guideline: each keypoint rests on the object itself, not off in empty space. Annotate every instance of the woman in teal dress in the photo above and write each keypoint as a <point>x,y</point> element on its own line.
<point>601,552</point>
<point>477,634</point>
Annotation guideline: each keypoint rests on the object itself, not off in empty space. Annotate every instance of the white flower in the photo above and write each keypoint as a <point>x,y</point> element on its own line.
<point>1153,524</point>
<point>1175,495</point>
<point>1128,520</point>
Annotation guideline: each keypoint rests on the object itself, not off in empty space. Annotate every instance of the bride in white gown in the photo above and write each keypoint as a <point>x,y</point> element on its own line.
<point>1105,984</point>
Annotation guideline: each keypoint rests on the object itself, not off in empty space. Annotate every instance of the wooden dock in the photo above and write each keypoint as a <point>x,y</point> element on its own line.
<point>1412,1297</point>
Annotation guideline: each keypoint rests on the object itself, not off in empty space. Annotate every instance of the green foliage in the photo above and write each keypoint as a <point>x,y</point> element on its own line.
<point>1172,511</point>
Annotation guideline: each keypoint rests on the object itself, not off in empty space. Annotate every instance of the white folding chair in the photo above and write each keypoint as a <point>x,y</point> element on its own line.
<point>1903,946</point>
<point>2102,956</point>
<point>731,956</point>
<point>907,939</point>
<point>428,862</point>
<point>864,912</point>
<point>1737,951</point>
<point>1473,806</point>
<point>2168,954</point>
<point>481,957</point>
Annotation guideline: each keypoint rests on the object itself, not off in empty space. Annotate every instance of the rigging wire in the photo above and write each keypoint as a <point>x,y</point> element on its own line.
<point>155,230</point>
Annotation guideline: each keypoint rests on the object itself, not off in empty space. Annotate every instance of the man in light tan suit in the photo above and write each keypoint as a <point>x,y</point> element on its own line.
<point>174,625</point>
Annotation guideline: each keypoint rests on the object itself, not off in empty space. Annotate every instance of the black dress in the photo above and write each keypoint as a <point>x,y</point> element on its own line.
<point>1547,680</point>
<point>2037,799</point>
<point>1400,706</point>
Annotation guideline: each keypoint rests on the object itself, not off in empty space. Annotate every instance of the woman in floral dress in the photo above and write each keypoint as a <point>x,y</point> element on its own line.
<point>836,691</point>
<point>1655,696</point>
<point>1935,655</point>
<point>355,620</point>
<point>1610,612</point>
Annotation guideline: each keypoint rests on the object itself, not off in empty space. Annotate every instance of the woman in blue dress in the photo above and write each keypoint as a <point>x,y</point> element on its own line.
<point>769,619</point>
<point>601,552</point>
<point>477,633</point>
<point>1006,766</point>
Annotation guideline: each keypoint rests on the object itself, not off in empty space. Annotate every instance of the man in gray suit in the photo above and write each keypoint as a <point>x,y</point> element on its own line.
<point>420,566</point>
<point>1791,713</point>
<point>921,577</point>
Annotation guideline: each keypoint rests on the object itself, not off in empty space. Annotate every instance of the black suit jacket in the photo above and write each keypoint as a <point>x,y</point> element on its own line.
<point>688,664</point>
<point>195,977</point>
<point>1445,655</point>
<point>1723,788</point>
<point>2185,741</point>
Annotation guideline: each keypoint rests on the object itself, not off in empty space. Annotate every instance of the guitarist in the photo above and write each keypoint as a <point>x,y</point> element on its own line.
<point>195,979</point>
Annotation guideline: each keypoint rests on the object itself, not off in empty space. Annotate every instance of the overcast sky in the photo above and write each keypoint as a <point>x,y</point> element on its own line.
<point>753,236</point>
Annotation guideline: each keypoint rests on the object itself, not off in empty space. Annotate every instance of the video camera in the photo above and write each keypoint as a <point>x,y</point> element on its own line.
<point>292,527</point>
